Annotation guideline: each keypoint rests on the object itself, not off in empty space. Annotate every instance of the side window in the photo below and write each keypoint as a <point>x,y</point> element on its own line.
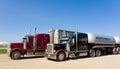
<point>82,38</point>
<point>24,39</point>
<point>30,40</point>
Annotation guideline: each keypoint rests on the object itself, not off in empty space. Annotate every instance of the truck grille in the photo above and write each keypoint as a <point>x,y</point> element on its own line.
<point>50,48</point>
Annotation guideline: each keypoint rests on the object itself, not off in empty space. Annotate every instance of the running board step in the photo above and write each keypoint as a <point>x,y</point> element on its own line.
<point>29,52</point>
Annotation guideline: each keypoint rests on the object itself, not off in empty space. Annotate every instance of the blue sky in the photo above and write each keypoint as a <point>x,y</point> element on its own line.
<point>18,17</point>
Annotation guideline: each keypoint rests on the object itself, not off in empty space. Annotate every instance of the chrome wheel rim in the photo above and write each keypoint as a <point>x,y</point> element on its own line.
<point>16,55</point>
<point>61,56</point>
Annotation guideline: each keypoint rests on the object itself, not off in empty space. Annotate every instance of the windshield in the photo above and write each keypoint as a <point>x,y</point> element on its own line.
<point>24,39</point>
<point>27,40</point>
<point>64,41</point>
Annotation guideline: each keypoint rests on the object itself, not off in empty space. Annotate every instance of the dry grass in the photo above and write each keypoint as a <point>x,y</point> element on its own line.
<point>3,47</point>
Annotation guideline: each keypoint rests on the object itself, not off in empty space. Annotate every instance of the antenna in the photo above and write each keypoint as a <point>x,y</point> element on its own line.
<point>30,32</point>
<point>35,40</point>
<point>35,30</point>
<point>64,34</point>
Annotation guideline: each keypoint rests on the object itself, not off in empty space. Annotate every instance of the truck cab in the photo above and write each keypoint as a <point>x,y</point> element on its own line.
<point>31,45</point>
<point>59,51</point>
<point>28,42</point>
<point>69,47</point>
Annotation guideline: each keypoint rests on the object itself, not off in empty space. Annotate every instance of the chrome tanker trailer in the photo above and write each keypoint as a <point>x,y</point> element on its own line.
<point>117,45</point>
<point>82,44</point>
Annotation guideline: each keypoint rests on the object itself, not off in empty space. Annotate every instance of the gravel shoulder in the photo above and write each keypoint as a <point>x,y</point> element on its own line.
<point>103,62</point>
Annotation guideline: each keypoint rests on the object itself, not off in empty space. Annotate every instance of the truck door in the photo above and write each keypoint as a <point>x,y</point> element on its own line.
<point>82,42</point>
<point>30,43</point>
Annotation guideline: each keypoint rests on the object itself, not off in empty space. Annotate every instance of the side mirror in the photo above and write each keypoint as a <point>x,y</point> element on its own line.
<point>73,41</point>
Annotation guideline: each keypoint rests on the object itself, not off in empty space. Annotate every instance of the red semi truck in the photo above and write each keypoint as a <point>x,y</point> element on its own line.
<point>31,45</point>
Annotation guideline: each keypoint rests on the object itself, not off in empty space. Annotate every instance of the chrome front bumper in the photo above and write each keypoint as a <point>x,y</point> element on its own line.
<point>51,56</point>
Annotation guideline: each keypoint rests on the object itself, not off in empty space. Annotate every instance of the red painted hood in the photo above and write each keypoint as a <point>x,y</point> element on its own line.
<point>16,45</point>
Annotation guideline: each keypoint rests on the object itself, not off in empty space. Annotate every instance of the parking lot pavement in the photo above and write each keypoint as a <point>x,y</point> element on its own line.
<point>103,62</point>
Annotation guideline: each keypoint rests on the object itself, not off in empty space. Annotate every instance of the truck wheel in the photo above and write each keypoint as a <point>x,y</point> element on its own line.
<point>118,50</point>
<point>114,50</point>
<point>98,53</point>
<point>48,58</point>
<point>16,55</point>
<point>61,56</point>
<point>92,53</point>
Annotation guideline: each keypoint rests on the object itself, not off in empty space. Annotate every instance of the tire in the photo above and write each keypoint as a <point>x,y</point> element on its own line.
<point>98,53</point>
<point>114,51</point>
<point>118,50</point>
<point>61,56</point>
<point>48,59</point>
<point>92,53</point>
<point>16,55</point>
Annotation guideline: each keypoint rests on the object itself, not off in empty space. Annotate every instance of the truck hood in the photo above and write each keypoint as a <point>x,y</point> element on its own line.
<point>16,45</point>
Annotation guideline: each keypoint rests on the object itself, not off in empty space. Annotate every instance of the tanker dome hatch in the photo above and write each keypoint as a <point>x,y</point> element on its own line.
<point>100,39</point>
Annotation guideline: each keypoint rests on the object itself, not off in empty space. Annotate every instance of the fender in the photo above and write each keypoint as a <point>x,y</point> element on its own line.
<point>22,51</point>
<point>57,51</point>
